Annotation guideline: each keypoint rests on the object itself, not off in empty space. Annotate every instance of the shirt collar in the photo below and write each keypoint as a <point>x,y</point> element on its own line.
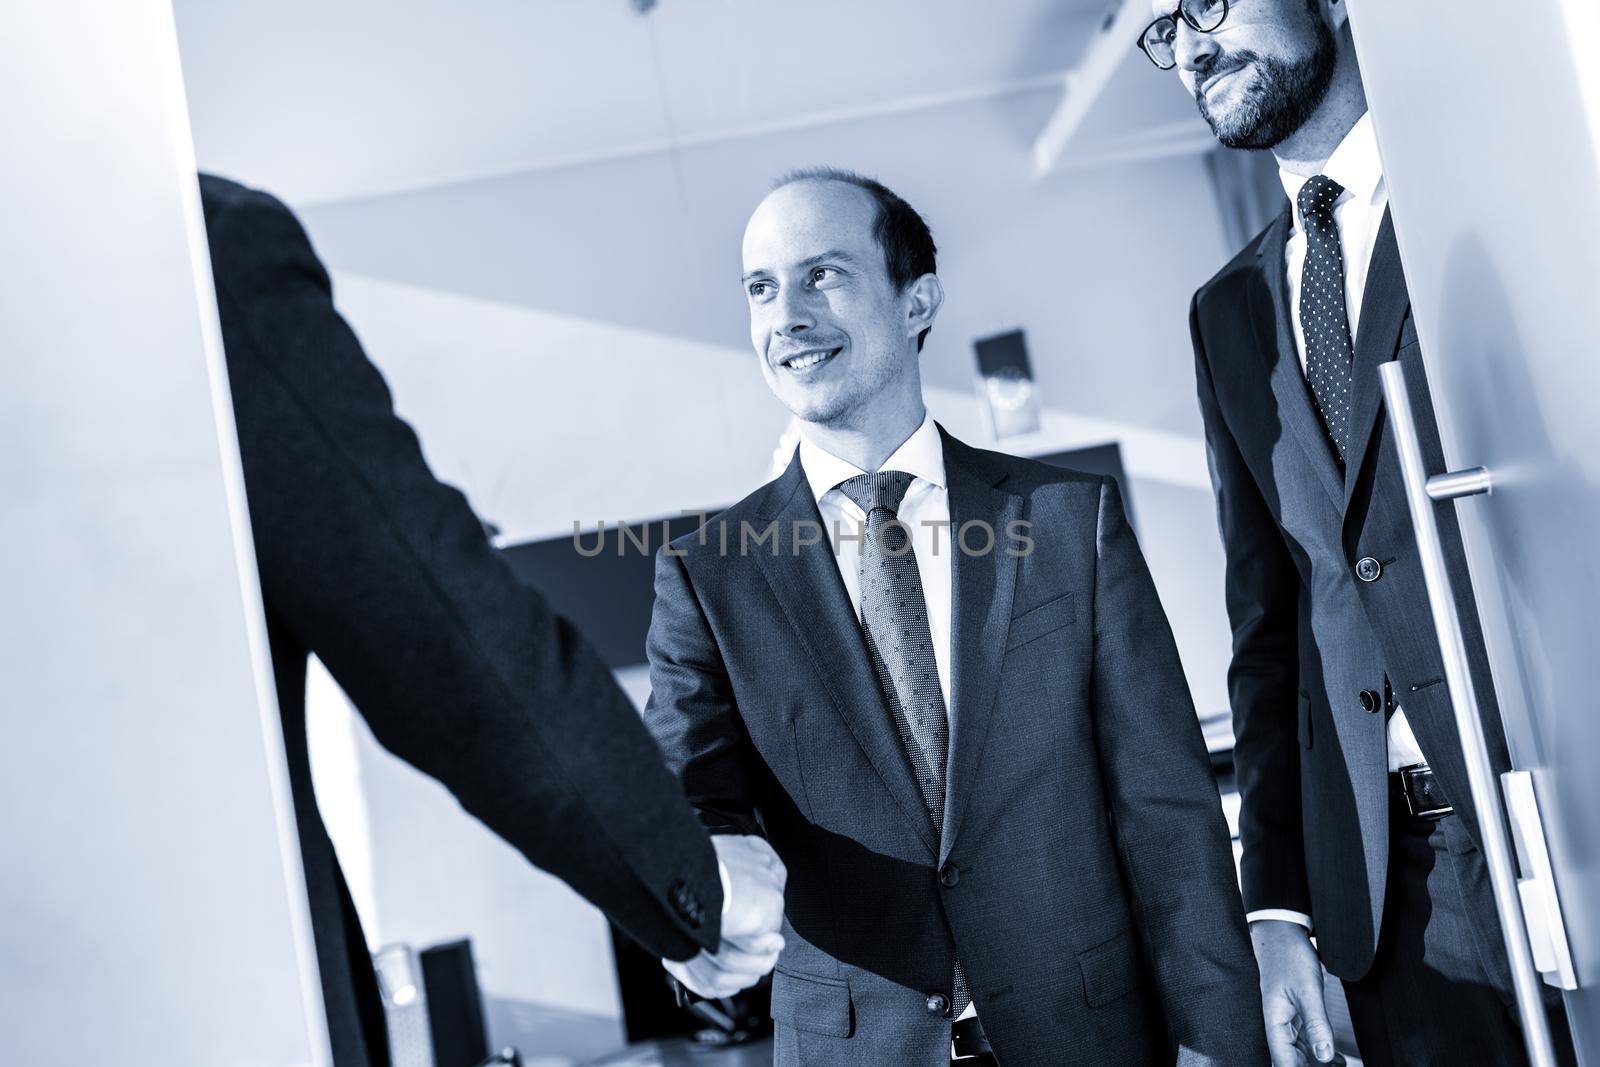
<point>921,456</point>
<point>1354,165</point>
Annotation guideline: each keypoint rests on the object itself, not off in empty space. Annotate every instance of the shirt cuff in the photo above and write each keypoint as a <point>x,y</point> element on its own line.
<point>1298,918</point>
<point>727,891</point>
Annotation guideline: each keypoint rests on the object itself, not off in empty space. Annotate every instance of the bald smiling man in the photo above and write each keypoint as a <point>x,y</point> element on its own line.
<point>939,681</point>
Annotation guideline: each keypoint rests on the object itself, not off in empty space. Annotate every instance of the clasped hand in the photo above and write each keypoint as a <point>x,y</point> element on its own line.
<point>751,917</point>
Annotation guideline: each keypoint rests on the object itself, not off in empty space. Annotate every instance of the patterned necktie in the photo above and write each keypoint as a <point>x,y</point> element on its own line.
<point>1330,356</point>
<point>894,620</point>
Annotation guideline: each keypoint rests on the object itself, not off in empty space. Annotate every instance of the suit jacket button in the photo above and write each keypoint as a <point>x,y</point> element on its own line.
<point>1371,700</point>
<point>949,875</point>
<point>687,904</point>
<point>1369,569</point>
<point>938,1005</point>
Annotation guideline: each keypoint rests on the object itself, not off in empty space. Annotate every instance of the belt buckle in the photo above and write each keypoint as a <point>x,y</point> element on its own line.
<point>967,1040</point>
<point>1414,781</point>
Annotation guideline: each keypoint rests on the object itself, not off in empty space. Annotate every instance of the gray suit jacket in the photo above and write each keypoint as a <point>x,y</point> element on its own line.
<point>1309,635</point>
<point>1083,873</point>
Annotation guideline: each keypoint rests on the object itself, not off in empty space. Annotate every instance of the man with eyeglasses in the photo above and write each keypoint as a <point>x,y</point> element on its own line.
<point>1357,824</point>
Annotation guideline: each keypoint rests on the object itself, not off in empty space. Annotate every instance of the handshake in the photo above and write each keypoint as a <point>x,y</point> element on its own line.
<point>752,911</point>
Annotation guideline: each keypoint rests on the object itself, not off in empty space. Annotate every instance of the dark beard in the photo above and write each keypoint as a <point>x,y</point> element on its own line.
<point>1286,93</point>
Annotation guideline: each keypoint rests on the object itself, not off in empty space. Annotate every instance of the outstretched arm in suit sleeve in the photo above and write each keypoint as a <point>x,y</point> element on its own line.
<point>1262,587</point>
<point>1167,815</point>
<point>692,711</point>
<point>386,574</point>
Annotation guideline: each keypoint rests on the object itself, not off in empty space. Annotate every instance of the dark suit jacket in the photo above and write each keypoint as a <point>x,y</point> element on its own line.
<point>460,669</point>
<point>1309,635</point>
<point>1083,872</point>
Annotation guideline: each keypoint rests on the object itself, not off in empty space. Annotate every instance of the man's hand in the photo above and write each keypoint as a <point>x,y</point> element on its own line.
<point>753,880</point>
<point>729,971</point>
<point>1291,994</point>
<point>752,912</point>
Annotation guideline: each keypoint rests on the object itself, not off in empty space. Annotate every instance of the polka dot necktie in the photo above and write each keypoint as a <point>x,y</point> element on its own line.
<point>894,620</point>
<point>1330,356</point>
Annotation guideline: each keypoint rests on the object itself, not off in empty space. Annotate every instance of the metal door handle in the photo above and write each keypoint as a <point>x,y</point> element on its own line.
<point>1469,726</point>
<point>1457,484</point>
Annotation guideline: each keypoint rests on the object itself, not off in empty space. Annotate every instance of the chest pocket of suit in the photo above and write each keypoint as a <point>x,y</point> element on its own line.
<point>1408,333</point>
<point>812,1003</point>
<point>1045,619</point>
<point>1305,721</point>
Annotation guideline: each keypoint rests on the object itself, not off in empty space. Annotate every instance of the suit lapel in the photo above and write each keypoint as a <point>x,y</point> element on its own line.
<point>982,588</point>
<point>805,579</point>
<point>1269,312</point>
<point>1384,302</point>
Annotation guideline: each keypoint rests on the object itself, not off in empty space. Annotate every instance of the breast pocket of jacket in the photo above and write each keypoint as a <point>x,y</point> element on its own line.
<point>1303,720</point>
<point>1054,614</point>
<point>812,1003</point>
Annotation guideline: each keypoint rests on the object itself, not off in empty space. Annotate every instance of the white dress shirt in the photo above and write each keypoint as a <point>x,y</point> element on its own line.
<point>1357,214</point>
<point>926,512</point>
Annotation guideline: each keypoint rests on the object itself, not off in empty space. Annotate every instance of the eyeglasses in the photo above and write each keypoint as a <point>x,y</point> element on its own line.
<point>1157,40</point>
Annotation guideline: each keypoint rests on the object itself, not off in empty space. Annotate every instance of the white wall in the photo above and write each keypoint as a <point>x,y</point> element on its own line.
<point>572,344</point>
<point>152,904</point>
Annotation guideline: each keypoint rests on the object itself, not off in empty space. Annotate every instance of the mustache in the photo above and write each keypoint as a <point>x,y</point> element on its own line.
<point>1225,63</point>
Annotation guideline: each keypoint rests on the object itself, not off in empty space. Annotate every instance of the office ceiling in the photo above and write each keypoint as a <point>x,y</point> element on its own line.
<point>327,100</point>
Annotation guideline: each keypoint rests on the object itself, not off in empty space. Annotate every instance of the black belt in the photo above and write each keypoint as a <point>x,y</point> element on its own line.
<point>968,1039</point>
<point>1423,796</point>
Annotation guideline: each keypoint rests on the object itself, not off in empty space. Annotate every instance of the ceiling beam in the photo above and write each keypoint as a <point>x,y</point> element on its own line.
<point>1084,83</point>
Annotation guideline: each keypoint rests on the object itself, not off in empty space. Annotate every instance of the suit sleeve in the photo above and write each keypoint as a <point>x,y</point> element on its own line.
<point>1166,812</point>
<point>692,711</point>
<point>1262,588</point>
<point>387,576</point>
